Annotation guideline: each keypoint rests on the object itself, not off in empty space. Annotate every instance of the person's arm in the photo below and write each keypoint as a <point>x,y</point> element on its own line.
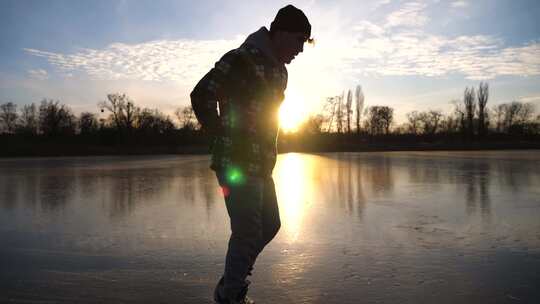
<point>214,87</point>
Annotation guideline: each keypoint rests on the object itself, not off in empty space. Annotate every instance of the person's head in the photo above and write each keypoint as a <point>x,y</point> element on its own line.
<point>288,32</point>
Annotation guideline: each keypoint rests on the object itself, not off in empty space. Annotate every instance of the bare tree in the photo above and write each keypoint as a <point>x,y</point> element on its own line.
<point>499,113</point>
<point>449,124</point>
<point>359,106</point>
<point>414,122</point>
<point>186,117</point>
<point>470,107</point>
<point>28,119</point>
<point>349,110</point>
<point>525,112</point>
<point>387,117</point>
<point>379,119</point>
<point>483,95</point>
<point>152,121</point>
<point>8,116</point>
<point>313,125</point>
<point>88,123</point>
<point>511,113</point>
<point>123,110</point>
<point>512,117</point>
<point>339,113</point>
<point>330,110</point>
<point>459,112</point>
<point>519,117</point>
<point>430,121</point>
<point>55,119</point>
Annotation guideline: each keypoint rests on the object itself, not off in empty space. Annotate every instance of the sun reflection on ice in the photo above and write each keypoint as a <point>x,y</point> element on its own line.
<point>294,191</point>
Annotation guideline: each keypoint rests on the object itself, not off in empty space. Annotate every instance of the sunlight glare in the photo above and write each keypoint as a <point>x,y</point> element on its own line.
<point>292,112</point>
<point>293,187</point>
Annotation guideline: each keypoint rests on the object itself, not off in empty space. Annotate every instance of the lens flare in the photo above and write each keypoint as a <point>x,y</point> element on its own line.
<point>235,176</point>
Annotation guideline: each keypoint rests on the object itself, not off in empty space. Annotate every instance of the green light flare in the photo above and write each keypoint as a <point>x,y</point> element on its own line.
<point>235,176</point>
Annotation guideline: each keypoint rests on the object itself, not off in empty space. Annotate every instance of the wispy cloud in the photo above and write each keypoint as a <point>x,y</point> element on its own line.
<point>398,44</point>
<point>369,29</point>
<point>38,74</point>
<point>387,49</point>
<point>377,4</point>
<point>164,60</point>
<point>458,4</point>
<point>530,98</point>
<point>412,14</point>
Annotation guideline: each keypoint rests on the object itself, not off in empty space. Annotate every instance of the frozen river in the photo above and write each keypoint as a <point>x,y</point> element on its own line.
<point>396,227</point>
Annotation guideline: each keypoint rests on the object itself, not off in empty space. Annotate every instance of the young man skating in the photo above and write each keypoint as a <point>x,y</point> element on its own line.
<point>247,86</point>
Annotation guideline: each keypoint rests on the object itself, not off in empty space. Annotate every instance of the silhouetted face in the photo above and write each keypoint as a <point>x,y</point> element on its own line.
<point>288,45</point>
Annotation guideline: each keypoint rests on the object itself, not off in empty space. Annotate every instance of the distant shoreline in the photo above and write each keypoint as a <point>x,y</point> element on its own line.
<point>65,149</point>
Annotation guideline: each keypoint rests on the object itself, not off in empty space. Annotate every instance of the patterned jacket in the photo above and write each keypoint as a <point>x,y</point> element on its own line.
<point>247,84</point>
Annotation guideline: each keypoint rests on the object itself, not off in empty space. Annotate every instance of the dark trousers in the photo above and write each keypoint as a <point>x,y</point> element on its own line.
<point>254,214</point>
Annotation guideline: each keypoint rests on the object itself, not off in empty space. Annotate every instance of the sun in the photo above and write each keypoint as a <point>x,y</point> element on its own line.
<point>292,112</point>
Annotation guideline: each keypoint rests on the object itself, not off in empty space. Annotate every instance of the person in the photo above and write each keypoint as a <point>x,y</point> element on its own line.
<point>247,86</point>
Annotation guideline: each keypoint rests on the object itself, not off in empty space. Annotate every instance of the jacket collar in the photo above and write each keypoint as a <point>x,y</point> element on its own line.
<point>261,40</point>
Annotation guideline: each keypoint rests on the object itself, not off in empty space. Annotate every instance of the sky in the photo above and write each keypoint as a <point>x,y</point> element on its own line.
<point>410,55</point>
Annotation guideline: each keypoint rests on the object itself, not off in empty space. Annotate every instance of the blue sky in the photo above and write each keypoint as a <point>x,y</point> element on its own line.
<point>411,55</point>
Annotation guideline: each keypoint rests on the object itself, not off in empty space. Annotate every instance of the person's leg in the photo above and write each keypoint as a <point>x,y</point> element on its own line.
<point>244,204</point>
<point>271,222</point>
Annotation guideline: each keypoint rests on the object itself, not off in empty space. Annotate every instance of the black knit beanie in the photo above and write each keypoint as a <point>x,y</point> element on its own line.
<point>291,19</point>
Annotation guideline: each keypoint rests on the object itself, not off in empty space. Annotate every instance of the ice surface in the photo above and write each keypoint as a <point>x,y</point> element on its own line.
<point>396,227</point>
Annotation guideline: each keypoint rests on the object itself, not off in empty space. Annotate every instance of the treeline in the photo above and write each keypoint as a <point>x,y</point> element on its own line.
<point>118,122</point>
<point>54,119</point>
<point>471,118</point>
<point>121,126</point>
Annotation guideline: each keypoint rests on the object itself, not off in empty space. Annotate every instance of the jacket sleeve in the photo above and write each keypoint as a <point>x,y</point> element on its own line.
<point>215,86</point>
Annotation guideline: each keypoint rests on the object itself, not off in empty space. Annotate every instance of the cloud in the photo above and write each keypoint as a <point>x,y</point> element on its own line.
<point>395,45</point>
<point>367,28</point>
<point>377,4</point>
<point>400,46</point>
<point>458,4</point>
<point>412,14</point>
<point>530,98</point>
<point>38,74</point>
<point>163,60</point>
